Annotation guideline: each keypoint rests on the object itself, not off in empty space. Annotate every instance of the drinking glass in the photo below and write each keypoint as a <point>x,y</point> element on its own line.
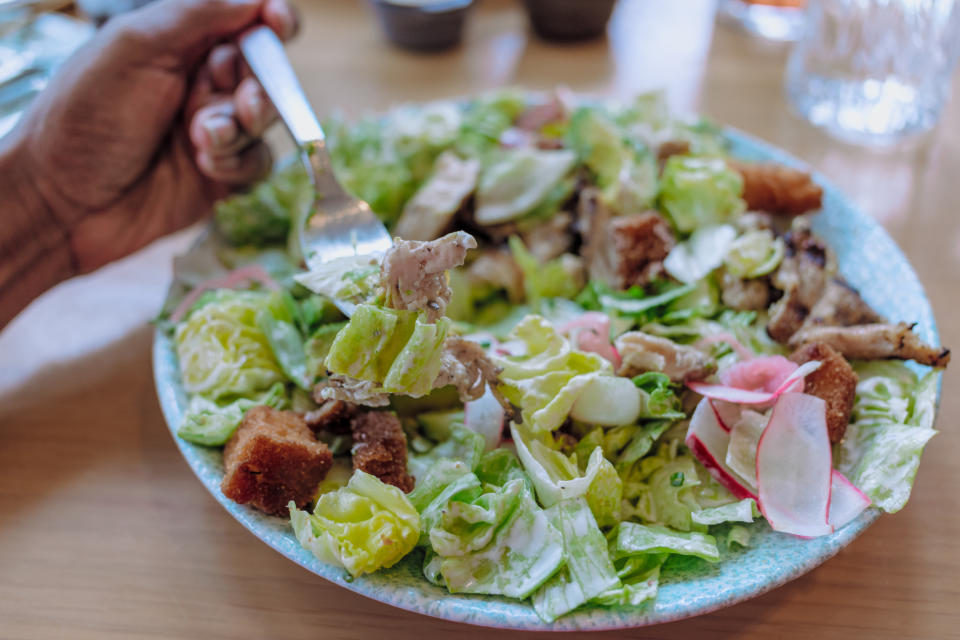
<point>874,71</point>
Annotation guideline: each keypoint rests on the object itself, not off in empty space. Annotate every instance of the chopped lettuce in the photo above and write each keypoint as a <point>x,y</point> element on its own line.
<point>547,379</point>
<point>633,538</point>
<point>394,349</point>
<point>354,279</point>
<point>743,511</point>
<point>639,580</point>
<point>755,253</point>
<point>362,527</point>
<point>700,191</point>
<point>588,571</point>
<point>892,422</point>
<point>462,445</point>
<point>634,303</point>
<point>701,253</point>
<point>278,320</point>
<point>548,280</point>
<point>515,181</point>
<point>222,350</point>
<point>264,215</point>
<point>317,347</point>
<point>659,399</point>
<point>213,423</point>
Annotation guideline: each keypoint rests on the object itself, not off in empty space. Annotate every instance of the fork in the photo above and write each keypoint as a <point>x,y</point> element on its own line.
<point>338,224</point>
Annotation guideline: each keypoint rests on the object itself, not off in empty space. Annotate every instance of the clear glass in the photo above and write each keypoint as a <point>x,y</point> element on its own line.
<point>874,72</point>
<point>772,19</point>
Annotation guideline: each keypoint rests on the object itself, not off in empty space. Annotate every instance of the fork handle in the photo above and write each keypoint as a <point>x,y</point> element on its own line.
<point>267,59</point>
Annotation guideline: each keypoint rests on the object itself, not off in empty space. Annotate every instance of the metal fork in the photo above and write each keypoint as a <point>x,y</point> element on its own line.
<point>338,225</point>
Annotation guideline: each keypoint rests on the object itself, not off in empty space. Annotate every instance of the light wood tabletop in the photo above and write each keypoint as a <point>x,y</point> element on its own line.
<point>105,532</point>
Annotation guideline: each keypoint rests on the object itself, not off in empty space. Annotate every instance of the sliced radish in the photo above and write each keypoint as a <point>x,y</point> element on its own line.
<point>763,373</point>
<point>744,437</point>
<point>846,501</point>
<point>727,413</point>
<point>708,442</point>
<point>485,416</point>
<point>590,331</point>
<point>794,467</point>
<point>725,337</point>
<point>236,278</point>
<point>744,396</point>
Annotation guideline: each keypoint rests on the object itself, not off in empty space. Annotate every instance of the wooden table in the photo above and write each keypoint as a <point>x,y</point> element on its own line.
<point>105,533</point>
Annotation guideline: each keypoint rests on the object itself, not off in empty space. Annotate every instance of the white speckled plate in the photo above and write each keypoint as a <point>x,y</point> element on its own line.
<point>868,258</point>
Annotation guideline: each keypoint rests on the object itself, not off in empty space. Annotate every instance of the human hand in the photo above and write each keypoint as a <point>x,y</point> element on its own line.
<point>144,128</point>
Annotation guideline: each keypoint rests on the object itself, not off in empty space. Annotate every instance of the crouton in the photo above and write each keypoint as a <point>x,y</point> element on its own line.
<point>775,188</point>
<point>835,382</point>
<point>380,448</point>
<point>638,245</point>
<point>333,416</point>
<point>273,458</point>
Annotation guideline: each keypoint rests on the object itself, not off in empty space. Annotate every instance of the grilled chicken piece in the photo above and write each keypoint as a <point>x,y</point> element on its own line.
<point>640,352</point>
<point>669,148</point>
<point>414,273</point>
<point>834,382</point>
<point>874,342</point>
<point>351,390</point>
<point>802,276</point>
<point>751,294</point>
<point>840,305</point>
<point>551,239</point>
<point>468,368</point>
<point>778,189</point>
<point>430,211</point>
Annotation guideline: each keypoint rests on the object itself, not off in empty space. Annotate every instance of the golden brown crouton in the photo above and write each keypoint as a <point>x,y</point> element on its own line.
<point>778,189</point>
<point>835,382</point>
<point>380,448</point>
<point>333,416</point>
<point>638,245</point>
<point>273,458</point>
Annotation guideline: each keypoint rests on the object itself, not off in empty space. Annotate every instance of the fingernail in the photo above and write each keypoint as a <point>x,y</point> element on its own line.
<point>258,109</point>
<point>220,129</point>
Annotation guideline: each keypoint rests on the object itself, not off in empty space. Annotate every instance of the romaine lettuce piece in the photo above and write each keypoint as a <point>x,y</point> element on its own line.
<point>517,180</point>
<point>660,400</point>
<point>633,538</point>
<point>556,477</point>
<point>463,445</point>
<point>743,511</point>
<point>892,422</point>
<point>755,253</point>
<point>353,279</point>
<point>700,191</point>
<point>639,577</point>
<point>525,550</point>
<point>701,253</point>
<point>264,215</point>
<point>588,571</point>
<point>213,423</point>
<point>222,350</point>
<point>318,346</point>
<point>394,349</point>
<point>498,467</point>
<point>362,527</point>
<point>278,321</point>
<point>551,279</point>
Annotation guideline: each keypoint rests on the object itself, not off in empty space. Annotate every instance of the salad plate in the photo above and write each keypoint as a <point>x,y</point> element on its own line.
<point>867,258</point>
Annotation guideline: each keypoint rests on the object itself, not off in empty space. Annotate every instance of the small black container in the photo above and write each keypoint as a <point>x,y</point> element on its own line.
<point>430,27</point>
<point>569,20</point>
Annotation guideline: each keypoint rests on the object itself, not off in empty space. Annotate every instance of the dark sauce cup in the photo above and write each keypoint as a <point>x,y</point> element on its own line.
<point>569,20</point>
<point>423,26</point>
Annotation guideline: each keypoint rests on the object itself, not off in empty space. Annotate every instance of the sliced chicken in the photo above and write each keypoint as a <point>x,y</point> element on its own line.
<point>468,368</point>
<point>874,342</point>
<point>498,269</point>
<point>751,294</point>
<point>431,210</point>
<point>351,390</point>
<point>551,239</point>
<point>641,352</point>
<point>803,275</point>
<point>414,273</point>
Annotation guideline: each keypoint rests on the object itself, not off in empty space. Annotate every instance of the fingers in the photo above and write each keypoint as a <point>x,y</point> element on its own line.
<point>280,16</point>
<point>223,65</point>
<point>242,168</point>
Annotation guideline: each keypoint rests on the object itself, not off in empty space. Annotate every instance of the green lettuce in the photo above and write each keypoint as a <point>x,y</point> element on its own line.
<point>659,400</point>
<point>354,279</point>
<point>264,214</point>
<point>548,378</point>
<point>278,320</point>
<point>515,181</point>
<point>755,253</point>
<point>551,279</point>
<point>700,191</point>
<point>892,422</point>
<point>462,445</point>
<point>639,580</point>
<point>213,423</point>
<point>222,350</point>
<point>362,527</point>
<point>633,538</point>
<point>743,511</point>
<point>394,349</point>
<point>701,253</point>
<point>662,488</point>
<point>588,571</point>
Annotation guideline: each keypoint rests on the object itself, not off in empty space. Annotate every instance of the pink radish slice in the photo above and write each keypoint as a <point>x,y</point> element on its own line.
<point>846,501</point>
<point>590,331</point>
<point>742,352</point>
<point>485,416</point>
<point>708,442</point>
<point>763,373</point>
<point>236,278</point>
<point>745,396</point>
<point>727,413</point>
<point>794,467</point>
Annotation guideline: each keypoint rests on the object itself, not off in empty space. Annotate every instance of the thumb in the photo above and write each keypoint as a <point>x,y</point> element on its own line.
<point>178,33</point>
